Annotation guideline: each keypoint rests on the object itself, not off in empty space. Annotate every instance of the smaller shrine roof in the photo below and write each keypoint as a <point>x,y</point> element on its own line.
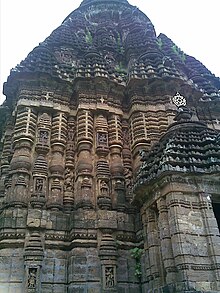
<point>188,147</point>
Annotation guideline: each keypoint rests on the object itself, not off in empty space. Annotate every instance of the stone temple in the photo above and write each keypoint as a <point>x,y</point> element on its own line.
<point>110,164</point>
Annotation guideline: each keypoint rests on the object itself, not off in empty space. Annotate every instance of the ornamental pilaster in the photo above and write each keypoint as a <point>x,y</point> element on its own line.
<point>69,175</point>
<point>116,163</point>
<point>57,164</point>
<point>84,167</point>
<point>21,163</point>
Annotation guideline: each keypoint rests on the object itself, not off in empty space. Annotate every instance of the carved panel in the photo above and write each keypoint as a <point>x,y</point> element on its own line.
<point>32,280</point>
<point>102,139</point>
<point>109,278</point>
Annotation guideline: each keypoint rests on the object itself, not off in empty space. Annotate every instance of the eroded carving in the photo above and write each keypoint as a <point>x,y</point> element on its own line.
<point>109,277</point>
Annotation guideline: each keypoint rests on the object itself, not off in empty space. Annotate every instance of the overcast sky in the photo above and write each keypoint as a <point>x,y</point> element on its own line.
<point>192,24</point>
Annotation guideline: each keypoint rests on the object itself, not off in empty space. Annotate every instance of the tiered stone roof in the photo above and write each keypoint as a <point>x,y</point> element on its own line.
<point>188,147</point>
<point>114,40</point>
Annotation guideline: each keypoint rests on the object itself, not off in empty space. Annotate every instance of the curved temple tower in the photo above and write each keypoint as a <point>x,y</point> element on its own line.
<point>110,162</point>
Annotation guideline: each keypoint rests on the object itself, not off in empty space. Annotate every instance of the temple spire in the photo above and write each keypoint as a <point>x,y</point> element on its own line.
<point>89,2</point>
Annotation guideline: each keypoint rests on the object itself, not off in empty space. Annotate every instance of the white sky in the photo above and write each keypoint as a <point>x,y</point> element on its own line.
<point>192,24</point>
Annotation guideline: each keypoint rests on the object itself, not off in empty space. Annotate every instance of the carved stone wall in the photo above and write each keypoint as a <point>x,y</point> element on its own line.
<point>181,237</point>
<point>87,107</point>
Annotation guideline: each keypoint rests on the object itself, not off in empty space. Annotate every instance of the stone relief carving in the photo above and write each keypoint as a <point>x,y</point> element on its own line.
<point>128,178</point>
<point>39,185</point>
<point>44,119</point>
<point>86,187</point>
<point>21,181</point>
<point>102,138</point>
<point>125,136</point>
<point>109,277</point>
<point>43,136</point>
<point>32,278</point>
<point>65,56</point>
<point>68,184</point>
<point>71,131</point>
<point>104,187</point>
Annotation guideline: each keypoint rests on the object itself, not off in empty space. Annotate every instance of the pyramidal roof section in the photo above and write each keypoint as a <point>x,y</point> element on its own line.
<point>181,139</point>
<point>117,42</point>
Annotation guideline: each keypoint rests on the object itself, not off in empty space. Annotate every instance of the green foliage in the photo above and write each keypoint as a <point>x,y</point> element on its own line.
<point>136,253</point>
<point>138,272</point>
<point>175,49</point>
<point>178,52</point>
<point>183,57</point>
<point>120,69</point>
<point>121,50</point>
<point>118,40</point>
<point>89,38</point>
<point>160,43</point>
<point>119,45</point>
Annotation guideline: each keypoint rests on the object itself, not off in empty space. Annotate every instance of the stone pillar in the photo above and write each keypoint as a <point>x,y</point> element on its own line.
<point>33,256</point>
<point>6,158</point>
<point>56,166</point>
<point>195,239</point>
<point>116,165</point>
<point>178,237</point>
<point>104,200</point>
<point>211,231</point>
<point>68,197</point>
<point>165,242</point>
<point>127,161</point>
<point>84,168</point>
<point>40,169</point>
<point>21,163</point>
<point>155,270</point>
<point>139,136</point>
<point>108,257</point>
<point>40,182</point>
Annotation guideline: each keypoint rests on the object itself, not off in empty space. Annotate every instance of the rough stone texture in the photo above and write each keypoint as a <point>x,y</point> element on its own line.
<point>100,191</point>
